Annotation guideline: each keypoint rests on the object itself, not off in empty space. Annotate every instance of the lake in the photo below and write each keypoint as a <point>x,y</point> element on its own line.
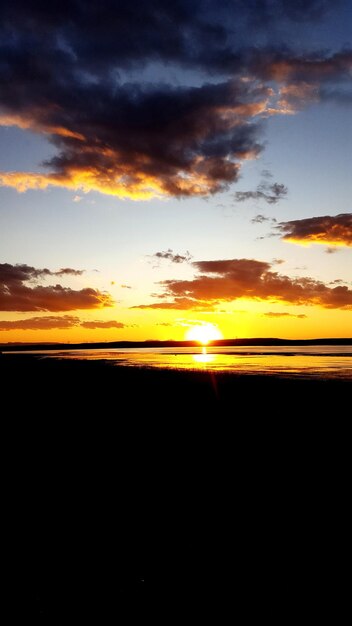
<point>307,361</point>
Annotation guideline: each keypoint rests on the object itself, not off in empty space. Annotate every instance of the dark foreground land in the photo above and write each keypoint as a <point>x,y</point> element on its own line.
<point>142,495</point>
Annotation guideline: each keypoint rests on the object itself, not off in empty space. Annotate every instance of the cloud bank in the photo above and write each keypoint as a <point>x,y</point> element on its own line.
<point>19,291</point>
<point>51,322</point>
<point>95,79</point>
<point>227,280</point>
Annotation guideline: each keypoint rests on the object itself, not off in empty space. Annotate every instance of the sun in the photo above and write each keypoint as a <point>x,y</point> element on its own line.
<point>204,333</point>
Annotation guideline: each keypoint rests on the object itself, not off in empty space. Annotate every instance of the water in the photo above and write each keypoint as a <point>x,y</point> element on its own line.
<point>306,361</point>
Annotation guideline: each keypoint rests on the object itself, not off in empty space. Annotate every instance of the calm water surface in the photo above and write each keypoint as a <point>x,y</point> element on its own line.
<point>312,361</point>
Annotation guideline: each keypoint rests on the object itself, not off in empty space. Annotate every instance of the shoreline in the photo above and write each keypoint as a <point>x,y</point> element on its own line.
<point>20,361</point>
<point>255,341</point>
<point>164,379</point>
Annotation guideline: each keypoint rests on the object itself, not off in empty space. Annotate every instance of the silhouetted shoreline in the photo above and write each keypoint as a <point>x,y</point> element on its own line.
<point>258,341</point>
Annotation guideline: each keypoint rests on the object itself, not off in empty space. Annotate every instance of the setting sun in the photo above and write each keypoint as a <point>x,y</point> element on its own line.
<point>204,333</point>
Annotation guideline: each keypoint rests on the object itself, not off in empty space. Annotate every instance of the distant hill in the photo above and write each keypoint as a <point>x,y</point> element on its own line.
<point>152,343</point>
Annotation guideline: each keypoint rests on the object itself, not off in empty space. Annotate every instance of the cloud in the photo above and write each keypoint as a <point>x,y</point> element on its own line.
<point>95,79</point>
<point>41,323</point>
<point>278,261</point>
<point>157,140</point>
<point>169,255</point>
<point>227,280</point>
<point>104,324</point>
<point>304,78</point>
<point>26,272</point>
<point>270,193</point>
<point>327,230</point>
<point>50,322</point>
<point>300,316</point>
<point>181,304</point>
<point>125,286</point>
<point>259,219</point>
<point>19,291</point>
<point>67,271</point>
<point>331,250</point>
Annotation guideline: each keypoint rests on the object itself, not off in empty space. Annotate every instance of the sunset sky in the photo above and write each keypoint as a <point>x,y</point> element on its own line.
<point>170,164</point>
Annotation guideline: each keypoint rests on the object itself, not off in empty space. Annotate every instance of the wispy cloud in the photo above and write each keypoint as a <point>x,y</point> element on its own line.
<point>269,193</point>
<point>275,314</point>
<point>102,324</point>
<point>260,219</point>
<point>173,257</point>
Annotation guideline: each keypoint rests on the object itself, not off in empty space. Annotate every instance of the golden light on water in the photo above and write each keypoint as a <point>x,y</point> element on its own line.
<point>204,333</point>
<point>204,357</point>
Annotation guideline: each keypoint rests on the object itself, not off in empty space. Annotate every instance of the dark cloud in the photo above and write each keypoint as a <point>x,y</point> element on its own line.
<point>228,280</point>
<point>305,78</point>
<point>300,316</point>
<point>191,33</point>
<point>27,273</point>
<point>173,257</point>
<point>266,174</point>
<point>68,271</point>
<point>19,291</point>
<point>328,230</point>
<point>78,73</point>
<point>267,11</point>
<point>270,193</point>
<point>147,141</point>
<point>259,219</point>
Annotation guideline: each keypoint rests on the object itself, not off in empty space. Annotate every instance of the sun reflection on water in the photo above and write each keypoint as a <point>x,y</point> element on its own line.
<point>203,357</point>
<point>312,361</point>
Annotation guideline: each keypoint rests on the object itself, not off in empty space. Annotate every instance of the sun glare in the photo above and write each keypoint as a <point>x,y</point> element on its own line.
<point>204,333</point>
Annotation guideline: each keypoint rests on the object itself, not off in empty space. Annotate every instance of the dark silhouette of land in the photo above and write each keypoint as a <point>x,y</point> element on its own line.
<point>153,343</point>
<point>140,495</point>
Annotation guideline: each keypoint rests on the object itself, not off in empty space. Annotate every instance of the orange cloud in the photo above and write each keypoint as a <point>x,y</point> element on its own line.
<point>327,230</point>
<point>50,322</point>
<point>302,80</point>
<point>300,316</point>
<point>18,293</point>
<point>102,324</point>
<point>47,322</point>
<point>194,148</point>
<point>315,68</point>
<point>32,123</point>
<point>228,280</point>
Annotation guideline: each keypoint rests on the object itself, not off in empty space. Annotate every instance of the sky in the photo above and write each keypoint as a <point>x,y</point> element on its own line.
<point>173,165</point>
